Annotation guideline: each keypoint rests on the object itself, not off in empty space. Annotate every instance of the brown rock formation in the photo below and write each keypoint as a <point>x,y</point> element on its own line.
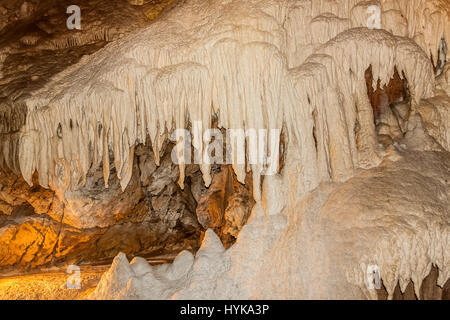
<point>91,224</point>
<point>428,291</point>
<point>226,205</point>
<point>381,97</point>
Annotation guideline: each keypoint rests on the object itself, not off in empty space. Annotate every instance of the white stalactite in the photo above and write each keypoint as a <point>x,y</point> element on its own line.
<point>236,65</point>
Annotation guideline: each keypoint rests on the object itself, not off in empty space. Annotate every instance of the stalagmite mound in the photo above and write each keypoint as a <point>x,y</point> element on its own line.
<point>356,94</point>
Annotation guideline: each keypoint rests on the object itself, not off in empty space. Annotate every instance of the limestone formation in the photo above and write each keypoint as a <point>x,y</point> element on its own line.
<point>336,116</point>
<point>225,207</point>
<point>39,227</point>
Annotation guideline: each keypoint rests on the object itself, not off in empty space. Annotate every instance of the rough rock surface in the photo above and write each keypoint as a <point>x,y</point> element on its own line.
<point>181,64</point>
<point>365,180</point>
<point>327,217</point>
<point>39,227</point>
<point>337,231</point>
<point>226,205</point>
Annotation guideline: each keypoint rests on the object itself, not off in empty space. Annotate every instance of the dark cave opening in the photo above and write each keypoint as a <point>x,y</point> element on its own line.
<point>395,91</point>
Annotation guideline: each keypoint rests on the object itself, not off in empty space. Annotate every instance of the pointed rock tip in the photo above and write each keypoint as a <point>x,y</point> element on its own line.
<point>211,242</point>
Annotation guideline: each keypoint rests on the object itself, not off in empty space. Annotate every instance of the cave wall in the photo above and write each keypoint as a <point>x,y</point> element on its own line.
<point>153,216</point>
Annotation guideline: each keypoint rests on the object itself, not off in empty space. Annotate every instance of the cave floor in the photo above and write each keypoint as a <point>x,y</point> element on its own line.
<point>47,286</point>
<point>51,284</point>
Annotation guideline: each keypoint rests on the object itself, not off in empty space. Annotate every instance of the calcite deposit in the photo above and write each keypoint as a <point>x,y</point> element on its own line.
<point>349,105</point>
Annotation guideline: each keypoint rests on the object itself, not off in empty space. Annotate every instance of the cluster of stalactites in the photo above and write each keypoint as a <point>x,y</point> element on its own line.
<point>137,101</point>
<point>332,108</point>
<point>236,67</point>
<point>426,22</point>
<point>247,86</point>
<point>412,256</point>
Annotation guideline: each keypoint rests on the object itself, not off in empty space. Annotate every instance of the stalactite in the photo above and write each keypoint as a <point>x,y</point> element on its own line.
<point>252,88</point>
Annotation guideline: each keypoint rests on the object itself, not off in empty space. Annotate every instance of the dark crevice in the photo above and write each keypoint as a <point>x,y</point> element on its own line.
<point>395,91</point>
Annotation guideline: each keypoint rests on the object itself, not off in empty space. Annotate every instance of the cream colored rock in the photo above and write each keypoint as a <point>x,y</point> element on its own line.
<point>343,203</point>
<point>333,235</point>
<point>435,113</point>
